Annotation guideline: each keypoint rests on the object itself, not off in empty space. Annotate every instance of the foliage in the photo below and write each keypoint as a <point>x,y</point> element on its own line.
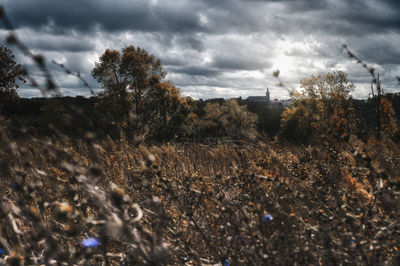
<point>295,124</point>
<point>126,77</point>
<point>165,110</point>
<point>10,71</point>
<point>115,104</point>
<point>135,95</point>
<point>223,120</point>
<point>109,202</point>
<point>53,115</point>
<point>323,109</point>
<point>388,121</point>
<point>269,118</point>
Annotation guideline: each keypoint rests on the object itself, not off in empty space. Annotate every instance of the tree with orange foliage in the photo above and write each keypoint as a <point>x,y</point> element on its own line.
<point>322,109</point>
<point>134,87</point>
<point>165,110</point>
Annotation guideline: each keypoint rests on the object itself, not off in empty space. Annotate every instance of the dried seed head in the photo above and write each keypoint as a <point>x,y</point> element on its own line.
<point>11,39</point>
<point>39,59</point>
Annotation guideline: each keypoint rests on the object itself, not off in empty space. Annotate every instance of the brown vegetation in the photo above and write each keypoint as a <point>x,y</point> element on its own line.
<point>196,203</point>
<point>94,187</point>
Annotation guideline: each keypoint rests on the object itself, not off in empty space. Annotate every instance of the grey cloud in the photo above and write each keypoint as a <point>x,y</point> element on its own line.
<point>60,43</point>
<point>172,61</point>
<point>222,16</point>
<point>206,71</point>
<point>109,15</point>
<point>185,81</point>
<point>381,53</point>
<point>303,5</point>
<point>367,16</point>
<point>238,63</point>
<point>204,43</point>
<point>191,42</point>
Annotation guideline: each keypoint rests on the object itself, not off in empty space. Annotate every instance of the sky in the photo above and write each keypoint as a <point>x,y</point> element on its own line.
<point>213,48</point>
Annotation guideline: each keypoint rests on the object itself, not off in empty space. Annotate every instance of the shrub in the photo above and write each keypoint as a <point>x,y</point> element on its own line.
<point>223,120</point>
<point>323,109</point>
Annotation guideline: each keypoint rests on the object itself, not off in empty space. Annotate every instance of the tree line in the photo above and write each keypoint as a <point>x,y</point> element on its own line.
<point>139,102</point>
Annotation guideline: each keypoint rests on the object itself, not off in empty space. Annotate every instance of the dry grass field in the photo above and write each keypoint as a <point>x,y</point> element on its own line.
<point>140,175</point>
<point>198,203</point>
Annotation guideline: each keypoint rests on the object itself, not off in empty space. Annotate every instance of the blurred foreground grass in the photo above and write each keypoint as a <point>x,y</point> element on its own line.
<point>109,202</point>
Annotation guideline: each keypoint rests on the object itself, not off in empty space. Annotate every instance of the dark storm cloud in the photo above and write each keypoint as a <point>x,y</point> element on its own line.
<point>186,16</point>
<point>381,50</point>
<point>370,15</point>
<point>109,15</point>
<point>337,17</point>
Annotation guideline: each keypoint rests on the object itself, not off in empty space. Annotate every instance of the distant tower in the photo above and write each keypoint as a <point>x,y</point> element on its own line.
<point>268,95</point>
